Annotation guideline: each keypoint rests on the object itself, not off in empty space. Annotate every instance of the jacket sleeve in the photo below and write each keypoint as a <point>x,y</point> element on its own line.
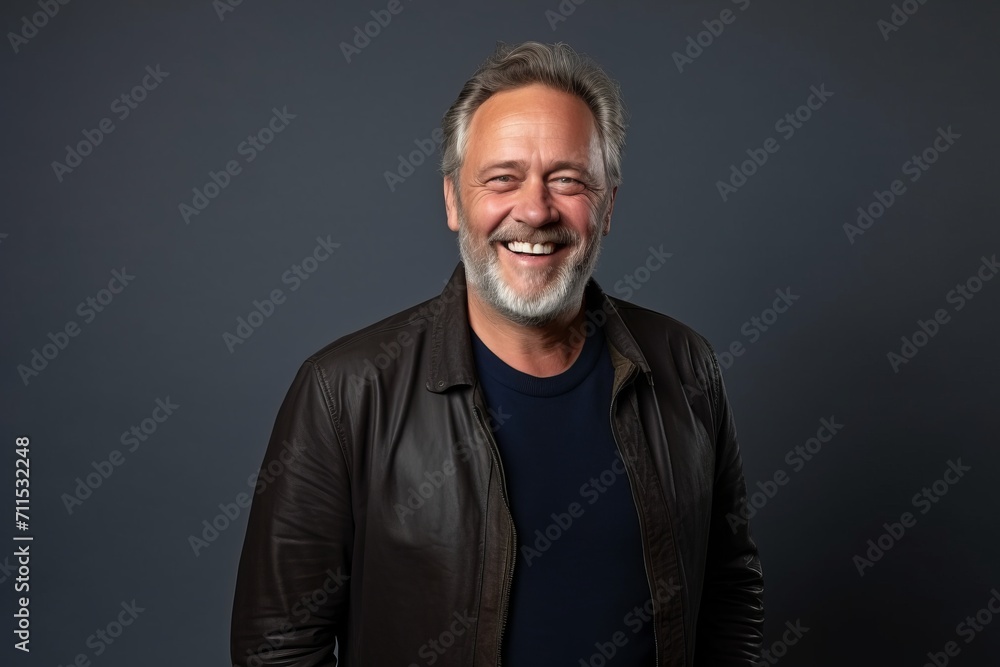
<point>290,605</point>
<point>730,628</point>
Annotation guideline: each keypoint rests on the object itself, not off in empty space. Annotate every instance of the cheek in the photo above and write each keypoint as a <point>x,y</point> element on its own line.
<point>488,213</point>
<point>578,214</point>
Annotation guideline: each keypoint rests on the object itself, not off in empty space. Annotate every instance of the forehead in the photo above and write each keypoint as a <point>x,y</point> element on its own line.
<point>522,117</point>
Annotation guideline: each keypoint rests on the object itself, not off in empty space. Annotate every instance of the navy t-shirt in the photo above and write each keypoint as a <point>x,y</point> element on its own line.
<point>580,593</point>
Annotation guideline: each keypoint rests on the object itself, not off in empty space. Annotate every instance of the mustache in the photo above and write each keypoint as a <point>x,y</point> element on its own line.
<point>559,236</point>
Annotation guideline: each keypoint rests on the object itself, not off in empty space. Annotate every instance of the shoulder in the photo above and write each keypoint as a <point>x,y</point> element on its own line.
<point>397,350</point>
<point>378,343</point>
<point>674,349</point>
<point>655,331</point>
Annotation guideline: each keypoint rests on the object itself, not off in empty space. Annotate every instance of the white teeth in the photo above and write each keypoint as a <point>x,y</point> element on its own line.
<point>532,249</point>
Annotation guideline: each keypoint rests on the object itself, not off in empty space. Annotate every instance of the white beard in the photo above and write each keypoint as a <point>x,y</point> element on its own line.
<point>544,304</point>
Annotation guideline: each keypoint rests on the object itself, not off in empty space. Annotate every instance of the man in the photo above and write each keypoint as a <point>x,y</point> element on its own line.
<point>524,469</point>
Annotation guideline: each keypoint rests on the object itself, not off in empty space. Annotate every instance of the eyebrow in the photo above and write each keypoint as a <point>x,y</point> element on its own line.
<point>523,166</point>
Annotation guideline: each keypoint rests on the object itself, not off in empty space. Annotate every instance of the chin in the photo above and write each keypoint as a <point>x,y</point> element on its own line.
<point>527,297</point>
<point>535,307</point>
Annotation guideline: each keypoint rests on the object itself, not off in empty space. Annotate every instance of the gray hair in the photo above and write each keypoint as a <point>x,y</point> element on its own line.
<point>555,65</point>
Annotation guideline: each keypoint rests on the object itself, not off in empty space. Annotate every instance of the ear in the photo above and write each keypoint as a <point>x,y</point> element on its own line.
<point>607,216</point>
<point>449,203</point>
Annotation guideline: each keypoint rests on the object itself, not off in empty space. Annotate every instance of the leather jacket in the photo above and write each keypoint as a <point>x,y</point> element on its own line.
<point>380,521</point>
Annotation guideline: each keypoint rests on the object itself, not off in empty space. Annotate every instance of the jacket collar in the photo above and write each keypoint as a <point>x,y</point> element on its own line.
<point>452,361</point>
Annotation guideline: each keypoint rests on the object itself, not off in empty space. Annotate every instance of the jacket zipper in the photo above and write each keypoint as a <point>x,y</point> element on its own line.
<point>512,554</point>
<point>638,509</point>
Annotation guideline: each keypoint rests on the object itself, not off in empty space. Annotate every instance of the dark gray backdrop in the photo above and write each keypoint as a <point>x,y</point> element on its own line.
<point>222,76</point>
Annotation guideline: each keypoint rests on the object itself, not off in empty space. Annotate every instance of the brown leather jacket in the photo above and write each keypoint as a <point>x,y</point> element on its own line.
<point>380,522</point>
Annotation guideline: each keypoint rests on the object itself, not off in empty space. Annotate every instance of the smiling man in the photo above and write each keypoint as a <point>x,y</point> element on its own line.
<point>522,470</point>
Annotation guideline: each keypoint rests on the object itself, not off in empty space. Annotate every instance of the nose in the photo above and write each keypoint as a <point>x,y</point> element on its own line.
<point>534,205</point>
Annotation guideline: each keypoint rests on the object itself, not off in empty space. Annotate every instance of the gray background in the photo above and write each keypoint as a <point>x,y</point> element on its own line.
<point>324,175</point>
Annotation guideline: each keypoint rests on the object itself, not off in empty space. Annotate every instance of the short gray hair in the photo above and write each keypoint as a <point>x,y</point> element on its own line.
<point>555,65</point>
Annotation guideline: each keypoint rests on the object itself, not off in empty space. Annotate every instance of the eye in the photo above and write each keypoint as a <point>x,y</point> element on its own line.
<point>502,183</point>
<point>568,185</point>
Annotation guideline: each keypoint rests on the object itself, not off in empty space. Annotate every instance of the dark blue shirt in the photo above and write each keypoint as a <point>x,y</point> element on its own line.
<point>580,595</point>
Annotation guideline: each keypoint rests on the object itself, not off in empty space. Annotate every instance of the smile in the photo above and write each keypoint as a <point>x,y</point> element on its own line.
<point>523,248</point>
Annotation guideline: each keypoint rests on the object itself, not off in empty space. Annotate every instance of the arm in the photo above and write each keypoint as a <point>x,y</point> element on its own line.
<point>290,606</point>
<point>731,618</point>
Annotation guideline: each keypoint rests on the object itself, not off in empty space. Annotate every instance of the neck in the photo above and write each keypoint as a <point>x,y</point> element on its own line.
<point>542,351</point>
